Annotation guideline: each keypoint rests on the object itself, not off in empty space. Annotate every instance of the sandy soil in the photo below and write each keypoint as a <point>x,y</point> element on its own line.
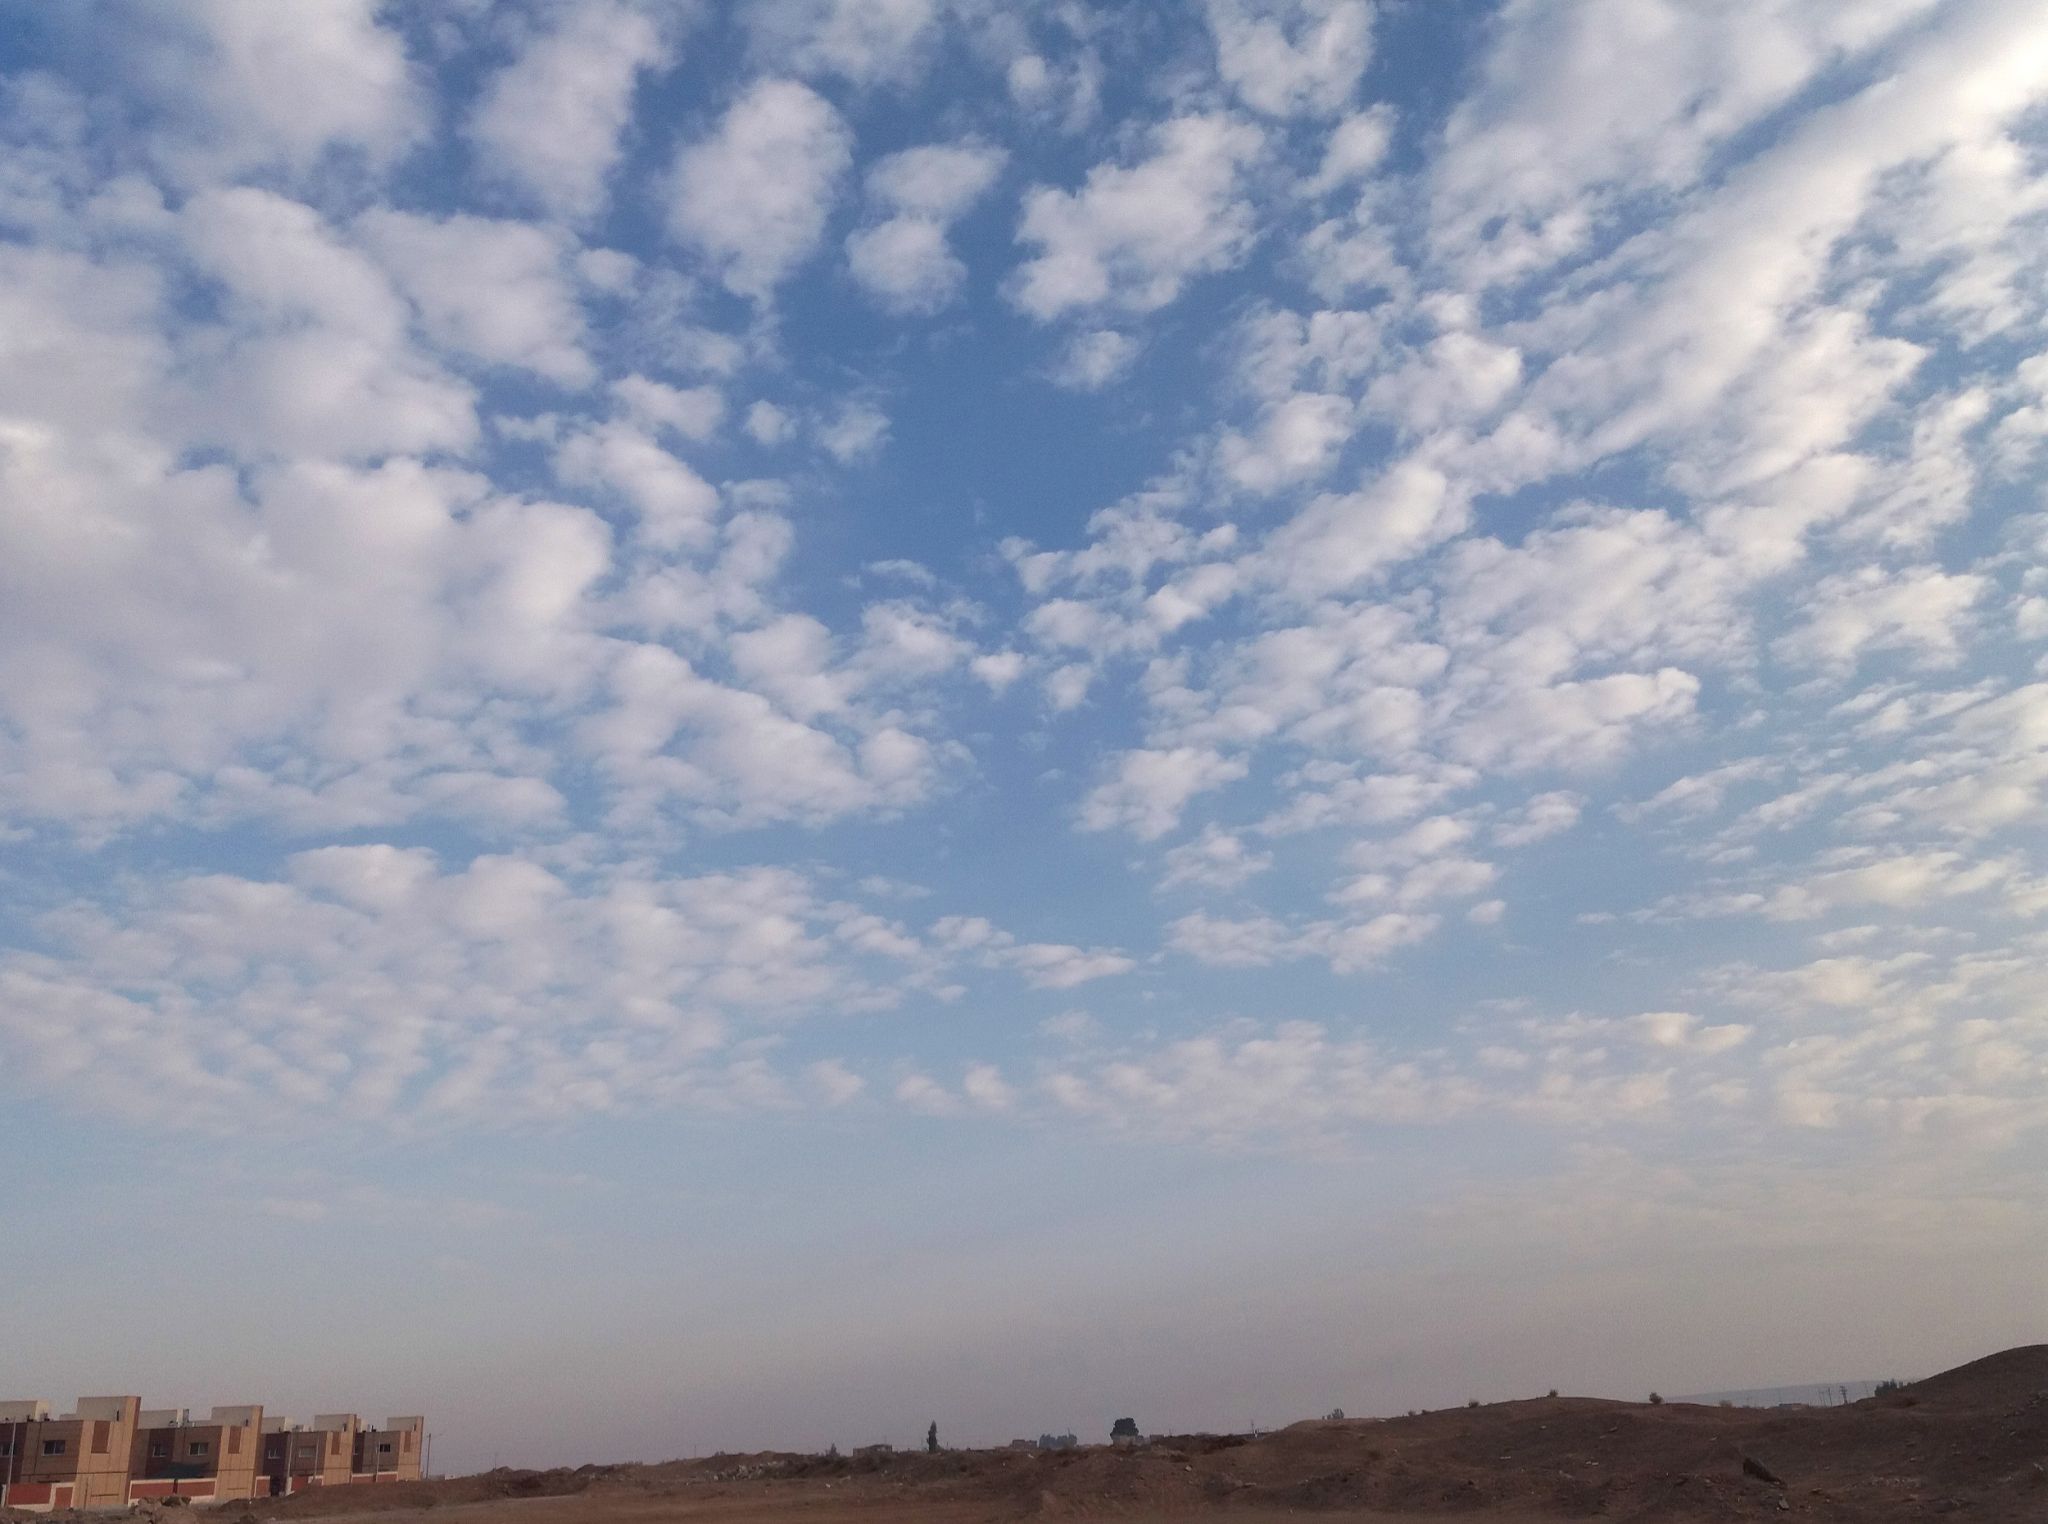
<point>1969,1446</point>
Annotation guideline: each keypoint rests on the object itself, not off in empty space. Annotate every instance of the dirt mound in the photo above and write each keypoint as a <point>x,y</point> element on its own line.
<point>401,1497</point>
<point>2004,1380</point>
<point>1093,1483</point>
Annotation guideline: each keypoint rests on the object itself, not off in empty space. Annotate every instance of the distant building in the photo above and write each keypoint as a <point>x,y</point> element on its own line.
<point>319,1454</point>
<point>111,1452</point>
<point>392,1453</point>
<point>217,1459</point>
<point>77,1461</point>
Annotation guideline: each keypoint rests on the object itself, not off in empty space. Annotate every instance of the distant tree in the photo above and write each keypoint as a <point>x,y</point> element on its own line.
<point>1124,1428</point>
<point>1886,1388</point>
<point>931,1439</point>
<point>1334,1413</point>
<point>1473,1403</point>
<point>1553,1391</point>
<point>1656,1400</point>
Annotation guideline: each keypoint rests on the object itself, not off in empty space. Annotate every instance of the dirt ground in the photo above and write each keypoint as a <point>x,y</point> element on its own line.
<point>1969,1446</point>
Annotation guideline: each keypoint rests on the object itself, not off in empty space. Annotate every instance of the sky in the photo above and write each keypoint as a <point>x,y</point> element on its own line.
<point>739,725</point>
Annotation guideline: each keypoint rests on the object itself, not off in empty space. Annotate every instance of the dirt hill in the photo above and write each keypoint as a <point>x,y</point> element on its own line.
<point>1968,1445</point>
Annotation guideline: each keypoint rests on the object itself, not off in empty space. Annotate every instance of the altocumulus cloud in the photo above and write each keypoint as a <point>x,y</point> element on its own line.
<point>512,608</point>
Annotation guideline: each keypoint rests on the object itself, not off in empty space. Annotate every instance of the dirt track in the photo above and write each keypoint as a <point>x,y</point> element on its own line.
<point>1970,1445</point>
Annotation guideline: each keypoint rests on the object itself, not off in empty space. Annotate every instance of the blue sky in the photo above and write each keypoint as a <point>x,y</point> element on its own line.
<point>753,722</point>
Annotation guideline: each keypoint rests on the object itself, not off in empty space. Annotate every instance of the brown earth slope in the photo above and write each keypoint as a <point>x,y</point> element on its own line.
<point>1968,1445</point>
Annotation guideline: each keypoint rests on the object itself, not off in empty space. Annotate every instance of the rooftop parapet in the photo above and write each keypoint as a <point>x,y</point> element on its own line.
<point>104,1409</point>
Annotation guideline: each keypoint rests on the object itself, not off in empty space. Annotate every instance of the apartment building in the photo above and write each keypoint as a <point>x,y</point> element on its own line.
<point>77,1461</point>
<point>15,1419</point>
<point>111,1453</point>
<point>392,1453</point>
<point>214,1459</point>
<point>319,1454</point>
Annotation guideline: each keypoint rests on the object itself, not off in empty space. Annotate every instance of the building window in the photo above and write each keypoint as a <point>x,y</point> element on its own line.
<point>198,1447</point>
<point>53,1447</point>
<point>383,1449</point>
<point>159,1450</point>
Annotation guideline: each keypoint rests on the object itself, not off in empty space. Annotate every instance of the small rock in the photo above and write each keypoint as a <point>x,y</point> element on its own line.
<point>1751,1466</point>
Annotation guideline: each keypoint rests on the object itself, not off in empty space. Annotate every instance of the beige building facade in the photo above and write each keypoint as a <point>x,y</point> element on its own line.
<point>110,1452</point>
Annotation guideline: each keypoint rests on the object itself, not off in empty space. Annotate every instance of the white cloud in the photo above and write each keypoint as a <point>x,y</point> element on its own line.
<point>1582,104</point>
<point>939,180</point>
<point>857,431</point>
<point>984,1085</point>
<point>1544,816</point>
<point>495,290</point>
<point>1284,57</point>
<point>1096,358</point>
<point>1355,147</point>
<point>1148,789</point>
<point>903,260</point>
<point>551,122</point>
<point>767,424</point>
<point>270,85</point>
<point>834,1082</point>
<point>1587,723</point>
<point>1348,946</point>
<point>753,196</point>
<point>1133,236</point>
<point>314,355</point>
<point>998,669</point>
<point>675,505</point>
<point>693,412</point>
<point>1216,860</point>
<point>1920,610</point>
<point>671,737</point>
<point>1908,880</point>
<point>1680,1029</point>
<point>1044,965</point>
<point>1339,541</point>
<point>1293,1080</point>
<point>861,40</point>
<point>422,993</point>
<point>1297,440</point>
